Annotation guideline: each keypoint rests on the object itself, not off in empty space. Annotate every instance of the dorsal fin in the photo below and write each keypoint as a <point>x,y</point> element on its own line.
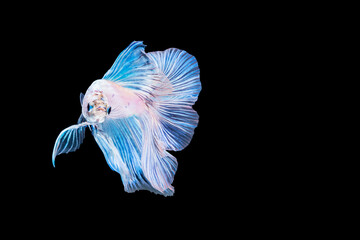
<point>133,69</point>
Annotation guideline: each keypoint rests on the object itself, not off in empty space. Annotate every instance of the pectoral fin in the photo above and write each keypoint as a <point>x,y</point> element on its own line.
<point>69,140</point>
<point>81,98</point>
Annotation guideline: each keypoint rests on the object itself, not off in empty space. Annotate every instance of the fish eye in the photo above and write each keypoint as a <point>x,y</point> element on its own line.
<point>89,107</point>
<point>109,110</point>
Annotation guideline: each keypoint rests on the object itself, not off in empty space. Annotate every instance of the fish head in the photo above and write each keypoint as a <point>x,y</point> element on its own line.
<point>95,106</point>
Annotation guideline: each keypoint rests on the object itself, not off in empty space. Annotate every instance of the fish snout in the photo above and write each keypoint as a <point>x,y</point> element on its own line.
<point>101,108</point>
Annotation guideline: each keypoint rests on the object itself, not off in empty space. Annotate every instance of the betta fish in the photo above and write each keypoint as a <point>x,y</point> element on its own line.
<point>140,109</point>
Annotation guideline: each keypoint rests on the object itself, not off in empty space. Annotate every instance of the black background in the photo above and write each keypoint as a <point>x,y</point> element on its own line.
<point>242,161</point>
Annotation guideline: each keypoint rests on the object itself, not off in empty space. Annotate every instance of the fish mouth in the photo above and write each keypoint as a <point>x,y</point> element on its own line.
<point>102,109</point>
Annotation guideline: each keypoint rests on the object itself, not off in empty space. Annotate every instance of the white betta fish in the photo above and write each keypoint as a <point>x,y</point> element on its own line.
<point>141,108</point>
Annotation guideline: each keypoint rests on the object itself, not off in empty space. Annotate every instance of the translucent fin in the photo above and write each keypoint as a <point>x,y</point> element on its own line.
<point>158,165</point>
<point>121,143</point>
<point>81,119</point>
<point>133,69</point>
<point>177,118</point>
<point>69,140</point>
<point>177,123</point>
<point>81,98</point>
<point>182,70</point>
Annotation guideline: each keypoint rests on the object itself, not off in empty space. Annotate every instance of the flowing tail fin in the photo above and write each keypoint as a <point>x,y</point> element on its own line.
<point>172,120</point>
<point>177,118</point>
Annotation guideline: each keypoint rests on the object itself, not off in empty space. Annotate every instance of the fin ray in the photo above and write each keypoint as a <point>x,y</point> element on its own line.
<point>177,118</point>
<point>121,142</point>
<point>69,140</point>
<point>81,98</point>
<point>158,165</point>
<point>182,70</point>
<point>133,69</point>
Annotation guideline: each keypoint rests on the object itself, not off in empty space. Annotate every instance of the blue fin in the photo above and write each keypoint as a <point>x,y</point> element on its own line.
<point>69,140</point>
<point>133,69</point>
<point>81,98</point>
<point>182,70</point>
<point>158,165</point>
<point>81,119</point>
<point>121,143</point>
<point>177,118</point>
<point>177,124</point>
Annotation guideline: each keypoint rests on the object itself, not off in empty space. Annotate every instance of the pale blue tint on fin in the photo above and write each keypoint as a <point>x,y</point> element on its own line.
<point>133,69</point>
<point>177,124</point>
<point>177,118</point>
<point>158,165</point>
<point>182,70</point>
<point>81,98</point>
<point>121,143</point>
<point>69,140</point>
<point>81,119</point>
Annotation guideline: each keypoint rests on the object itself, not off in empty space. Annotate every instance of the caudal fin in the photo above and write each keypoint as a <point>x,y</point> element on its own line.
<point>177,118</point>
<point>182,70</point>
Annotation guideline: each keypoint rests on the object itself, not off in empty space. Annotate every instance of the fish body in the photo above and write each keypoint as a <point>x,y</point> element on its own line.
<point>103,94</point>
<point>138,110</point>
